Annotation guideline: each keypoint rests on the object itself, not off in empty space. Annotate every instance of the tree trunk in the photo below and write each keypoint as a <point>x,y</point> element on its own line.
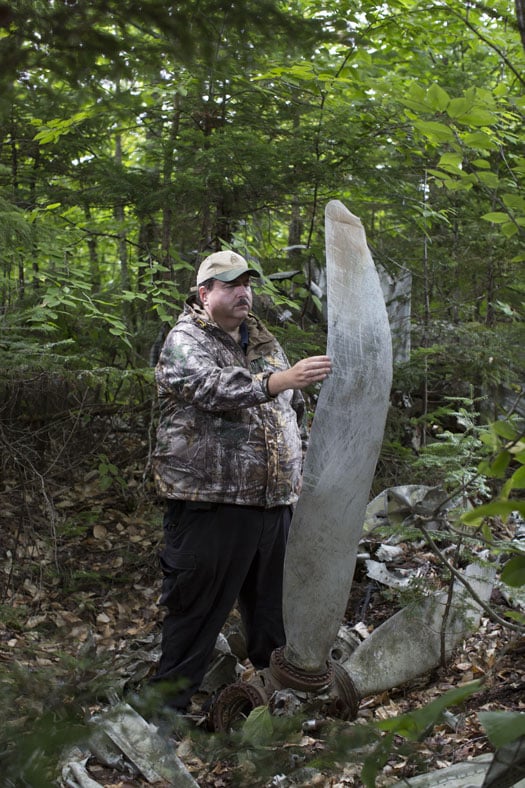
<point>520,18</point>
<point>120,216</point>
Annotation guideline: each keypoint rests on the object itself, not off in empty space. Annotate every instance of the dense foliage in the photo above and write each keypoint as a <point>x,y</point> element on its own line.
<point>134,139</point>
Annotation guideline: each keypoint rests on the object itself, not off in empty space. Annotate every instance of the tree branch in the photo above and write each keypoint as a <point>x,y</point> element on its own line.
<point>459,576</point>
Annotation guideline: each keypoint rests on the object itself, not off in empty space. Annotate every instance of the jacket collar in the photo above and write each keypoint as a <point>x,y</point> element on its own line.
<point>260,340</point>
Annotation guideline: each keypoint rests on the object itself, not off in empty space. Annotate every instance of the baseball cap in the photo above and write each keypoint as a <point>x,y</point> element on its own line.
<point>225,266</point>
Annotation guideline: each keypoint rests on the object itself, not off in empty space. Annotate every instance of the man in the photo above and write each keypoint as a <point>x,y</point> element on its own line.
<point>228,458</point>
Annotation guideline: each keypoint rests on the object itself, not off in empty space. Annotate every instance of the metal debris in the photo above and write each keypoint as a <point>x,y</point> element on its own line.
<point>135,745</point>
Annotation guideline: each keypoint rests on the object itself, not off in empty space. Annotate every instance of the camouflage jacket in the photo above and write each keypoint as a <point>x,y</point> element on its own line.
<point>221,437</point>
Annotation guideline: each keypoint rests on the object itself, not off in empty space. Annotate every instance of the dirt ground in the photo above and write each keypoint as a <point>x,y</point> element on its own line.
<point>79,609</point>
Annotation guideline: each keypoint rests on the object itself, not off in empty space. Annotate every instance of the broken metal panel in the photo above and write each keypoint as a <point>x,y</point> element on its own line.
<point>410,643</point>
<point>398,299</point>
<point>75,775</point>
<point>344,445</point>
<point>467,774</point>
<point>402,505</point>
<point>222,671</point>
<point>397,294</point>
<point>508,765</point>
<point>393,578</point>
<point>142,746</point>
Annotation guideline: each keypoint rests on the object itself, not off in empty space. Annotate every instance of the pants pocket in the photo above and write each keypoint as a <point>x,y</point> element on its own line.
<point>178,569</point>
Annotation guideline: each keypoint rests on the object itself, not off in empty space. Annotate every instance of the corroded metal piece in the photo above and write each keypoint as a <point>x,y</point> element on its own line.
<point>284,674</point>
<point>285,689</point>
<point>415,639</point>
<point>234,704</point>
<point>345,695</point>
<point>334,690</point>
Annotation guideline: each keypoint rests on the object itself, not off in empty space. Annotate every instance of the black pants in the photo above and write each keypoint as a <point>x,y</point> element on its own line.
<point>215,554</point>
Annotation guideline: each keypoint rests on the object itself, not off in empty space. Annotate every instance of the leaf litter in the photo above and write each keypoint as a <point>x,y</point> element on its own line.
<point>81,595</point>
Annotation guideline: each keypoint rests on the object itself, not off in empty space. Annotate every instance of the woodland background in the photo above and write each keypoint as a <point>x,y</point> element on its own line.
<point>135,138</point>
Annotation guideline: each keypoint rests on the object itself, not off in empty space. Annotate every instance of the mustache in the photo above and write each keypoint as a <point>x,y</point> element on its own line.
<point>243,302</point>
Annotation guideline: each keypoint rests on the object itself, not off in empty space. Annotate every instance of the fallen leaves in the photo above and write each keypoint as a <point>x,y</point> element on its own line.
<point>85,583</point>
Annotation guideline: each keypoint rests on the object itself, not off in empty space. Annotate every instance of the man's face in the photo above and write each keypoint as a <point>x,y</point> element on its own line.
<point>228,303</point>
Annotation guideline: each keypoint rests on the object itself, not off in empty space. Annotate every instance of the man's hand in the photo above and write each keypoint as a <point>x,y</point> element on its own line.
<point>307,371</point>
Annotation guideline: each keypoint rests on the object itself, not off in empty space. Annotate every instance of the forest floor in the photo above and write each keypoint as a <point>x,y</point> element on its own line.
<point>79,612</point>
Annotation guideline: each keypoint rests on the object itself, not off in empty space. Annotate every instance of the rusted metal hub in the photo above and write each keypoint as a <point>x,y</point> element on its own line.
<point>234,704</point>
<point>335,692</point>
<point>332,692</point>
<point>287,675</point>
<point>346,697</point>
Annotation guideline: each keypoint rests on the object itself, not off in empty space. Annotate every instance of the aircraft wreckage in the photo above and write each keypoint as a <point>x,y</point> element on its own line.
<point>327,524</point>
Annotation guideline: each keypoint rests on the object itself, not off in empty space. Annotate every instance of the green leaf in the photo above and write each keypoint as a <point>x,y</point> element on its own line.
<point>437,98</point>
<point>491,440</point>
<point>505,308</point>
<point>416,99</point>
<point>481,164</point>
<point>258,728</point>
<point>417,93</point>
<point>317,301</point>
<point>513,573</point>
<point>479,117</point>
<point>502,727</point>
<point>374,762</point>
<point>505,429</point>
<point>509,229</point>
<point>415,723</point>
<point>498,466</point>
<point>129,295</point>
<point>487,533</point>
<point>497,217</point>
<point>519,453</point>
<point>416,106</point>
<point>492,509</point>
<point>489,179</point>
<point>479,140</point>
<point>458,107</point>
<point>517,480</point>
<point>435,132</point>
<point>451,162</point>
<point>515,615</point>
<point>514,201</point>
<point>51,300</point>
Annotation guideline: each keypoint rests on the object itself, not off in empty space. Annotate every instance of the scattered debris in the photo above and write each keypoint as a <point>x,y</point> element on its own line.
<point>399,506</point>
<point>468,774</point>
<point>125,646</point>
<point>393,578</point>
<point>121,736</point>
